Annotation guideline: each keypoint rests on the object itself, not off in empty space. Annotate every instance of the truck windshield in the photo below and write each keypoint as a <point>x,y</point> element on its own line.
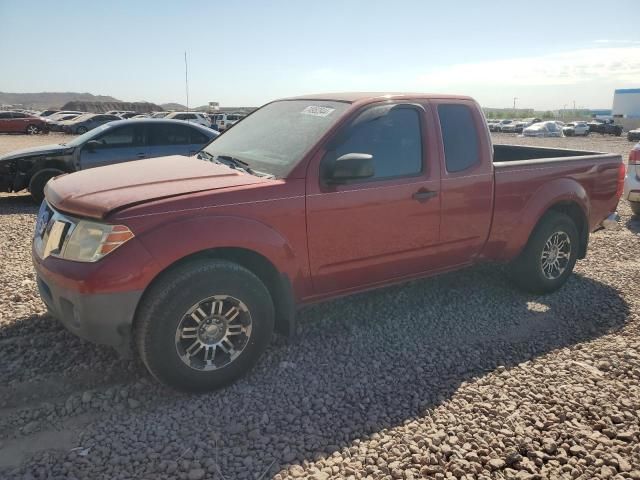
<point>275,138</point>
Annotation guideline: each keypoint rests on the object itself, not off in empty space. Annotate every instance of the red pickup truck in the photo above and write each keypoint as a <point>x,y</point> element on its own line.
<point>195,262</point>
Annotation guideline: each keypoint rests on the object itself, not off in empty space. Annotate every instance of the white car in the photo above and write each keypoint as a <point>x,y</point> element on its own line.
<point>226,120</point>
<point>501,124</point>
<point>632,180</point>
<point>543,129</point>
<point>576,129</point>
<point>195,117</point>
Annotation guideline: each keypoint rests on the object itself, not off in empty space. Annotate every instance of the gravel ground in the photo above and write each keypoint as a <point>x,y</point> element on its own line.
<point>458,376</point>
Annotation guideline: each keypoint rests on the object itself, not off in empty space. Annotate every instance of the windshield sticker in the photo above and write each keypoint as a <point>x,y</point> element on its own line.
<point>317,111</point>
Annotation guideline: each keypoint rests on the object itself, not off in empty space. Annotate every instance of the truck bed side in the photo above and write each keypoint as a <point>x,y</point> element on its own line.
<point>529,181</point>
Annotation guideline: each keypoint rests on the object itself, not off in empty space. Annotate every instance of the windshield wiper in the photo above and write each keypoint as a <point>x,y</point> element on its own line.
<point>235,162</point>
<point>206,155</point>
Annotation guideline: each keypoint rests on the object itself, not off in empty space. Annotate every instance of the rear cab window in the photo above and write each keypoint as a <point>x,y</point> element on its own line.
<point>459,137</point>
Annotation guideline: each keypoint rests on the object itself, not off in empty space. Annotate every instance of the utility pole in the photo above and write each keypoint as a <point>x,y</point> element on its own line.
<point>186,78</point>
<point>514,104</point>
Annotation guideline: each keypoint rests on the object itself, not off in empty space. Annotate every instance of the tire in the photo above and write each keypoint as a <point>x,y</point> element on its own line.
<point>635,208</point>
<point>39,180</point>
<point>167,326</point>
<point>81,130</point>
<point>32,130</point>
<point>527,271</point>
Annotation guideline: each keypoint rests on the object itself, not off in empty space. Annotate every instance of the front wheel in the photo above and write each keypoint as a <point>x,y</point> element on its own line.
<point>32,130</point>
<point>635,207</point>
<point>549,256</point>
<point>204,325</point>
<point>81,130</point>
<point>38,182</point>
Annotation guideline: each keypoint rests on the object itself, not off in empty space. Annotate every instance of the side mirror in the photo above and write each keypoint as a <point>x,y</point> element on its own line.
<point>92,145</point>
<point>351,166</point>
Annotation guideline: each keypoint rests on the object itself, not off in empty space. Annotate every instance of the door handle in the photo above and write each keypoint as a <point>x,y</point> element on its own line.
<point>141,155</point>
<point>423,195</point>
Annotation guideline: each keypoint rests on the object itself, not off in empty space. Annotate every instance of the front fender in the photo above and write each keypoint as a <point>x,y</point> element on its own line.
<point>556,191</point>
<point>172,241</point>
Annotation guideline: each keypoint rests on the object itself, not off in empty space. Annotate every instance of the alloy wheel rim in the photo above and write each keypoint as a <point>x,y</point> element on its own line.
<point>213,333</point>
<point>32,130</point>
<point>555,256</point>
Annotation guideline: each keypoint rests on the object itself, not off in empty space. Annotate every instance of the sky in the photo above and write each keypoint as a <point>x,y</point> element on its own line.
<point>244,53</point>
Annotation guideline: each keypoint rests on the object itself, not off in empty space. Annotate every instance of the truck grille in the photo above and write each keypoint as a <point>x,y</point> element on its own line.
<point>52,231</point>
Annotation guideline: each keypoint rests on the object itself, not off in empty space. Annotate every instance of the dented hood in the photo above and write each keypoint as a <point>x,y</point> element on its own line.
<point>97,192</point>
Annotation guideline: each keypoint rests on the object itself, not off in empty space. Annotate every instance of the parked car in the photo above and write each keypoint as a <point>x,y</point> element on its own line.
<point>227,120</point>
<point>193,117</point>
<point>56,124</point>
<point>114,142</point>
<point>59,115</point>
<point>160,114</point>
<point>47,113</point>
<point>306,199</point>
<point>89,121</point>
<point>633,135</point>
<point>605,127</point>
<point>531,121</point>
<point>632,180</point>
<point>126,115</point>
<point>572,129</point>
<point>514,127</point>
<point>498,126</point>
<point>18,122</point>
<point>543,129</point>
<point>142,115</point>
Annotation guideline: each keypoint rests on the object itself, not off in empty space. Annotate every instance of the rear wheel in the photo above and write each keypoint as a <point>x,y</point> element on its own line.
<point>204,325</point>
<point>81,130</point>
<point>38,182</point>
<point>549,256</point>
<point>32,130</point>
<point>635,207</point>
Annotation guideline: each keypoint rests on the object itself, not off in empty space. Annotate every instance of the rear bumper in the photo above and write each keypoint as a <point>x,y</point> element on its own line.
<point>100,318</point>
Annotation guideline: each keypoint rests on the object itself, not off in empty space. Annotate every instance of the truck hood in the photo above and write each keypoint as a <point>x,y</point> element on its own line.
<point>54,149</point>
<point>97,192</point>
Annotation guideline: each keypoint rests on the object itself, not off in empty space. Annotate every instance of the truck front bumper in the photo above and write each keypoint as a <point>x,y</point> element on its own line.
<point>104,318</point>
<point>6,182</point>
<point>612,222</point>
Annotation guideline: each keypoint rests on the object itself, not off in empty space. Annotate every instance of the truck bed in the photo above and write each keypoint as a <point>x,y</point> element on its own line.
<point>529,179</point>
<point>514,153</point>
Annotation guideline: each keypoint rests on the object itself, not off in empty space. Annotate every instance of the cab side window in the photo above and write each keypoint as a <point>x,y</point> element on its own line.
<point>459,137</point>
<point>121,137</point>
<point>391,135</point>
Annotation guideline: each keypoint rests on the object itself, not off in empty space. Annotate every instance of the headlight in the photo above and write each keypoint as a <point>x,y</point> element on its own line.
<point>90,241</point>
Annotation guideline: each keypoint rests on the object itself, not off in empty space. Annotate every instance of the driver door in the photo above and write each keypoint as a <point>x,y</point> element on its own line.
<point>115,145</point>
<point>382,228</point>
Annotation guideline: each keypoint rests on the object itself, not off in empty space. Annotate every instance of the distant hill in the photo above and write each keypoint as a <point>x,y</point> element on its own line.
<point>173,106</point>
<point>101,107</point>
<point>45,100</point>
